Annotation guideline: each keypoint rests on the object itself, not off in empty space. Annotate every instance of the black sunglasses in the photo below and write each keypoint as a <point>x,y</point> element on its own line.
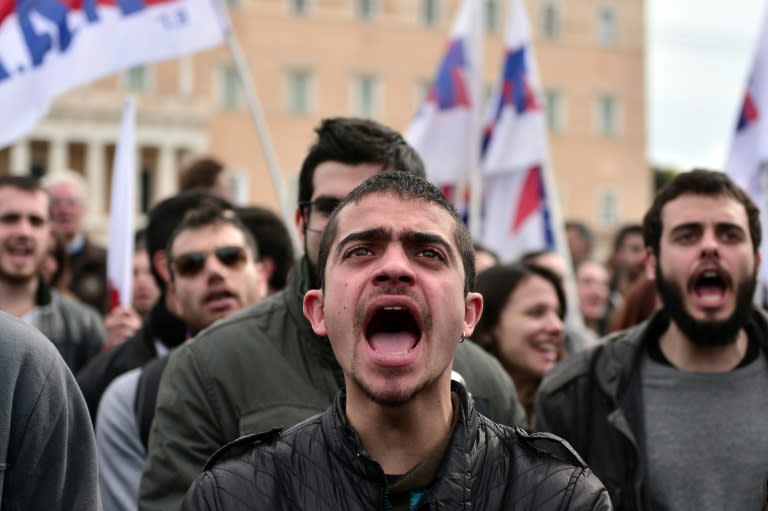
<point>192,263</point>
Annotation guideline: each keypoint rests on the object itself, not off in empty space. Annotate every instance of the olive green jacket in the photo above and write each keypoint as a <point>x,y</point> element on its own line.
<point>265,368</point>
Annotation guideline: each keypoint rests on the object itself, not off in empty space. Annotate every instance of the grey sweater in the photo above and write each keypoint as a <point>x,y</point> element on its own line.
<point>47,450</point>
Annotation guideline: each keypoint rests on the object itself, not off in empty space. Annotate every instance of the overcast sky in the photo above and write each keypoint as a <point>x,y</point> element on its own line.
<point>699,53</point>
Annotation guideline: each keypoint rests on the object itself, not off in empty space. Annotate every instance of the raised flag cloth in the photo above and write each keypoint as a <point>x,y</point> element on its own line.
<point>50,46</point>
<point>444,128</point>
<point>517,217</point>
<point>120,249</point>
<point>747,163</point>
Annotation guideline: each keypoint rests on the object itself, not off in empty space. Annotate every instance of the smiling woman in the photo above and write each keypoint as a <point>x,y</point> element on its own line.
<point>522,323</point>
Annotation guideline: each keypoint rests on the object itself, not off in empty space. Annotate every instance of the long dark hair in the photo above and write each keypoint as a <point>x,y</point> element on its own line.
<point>496,284</point>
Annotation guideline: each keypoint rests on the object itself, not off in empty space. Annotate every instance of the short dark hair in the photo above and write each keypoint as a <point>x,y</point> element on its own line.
<point>167,214</point>
<point>402,185</point>
<point>625,232</point>
<point>200,173</point>
<point>273,239</point>
<point>24,183</point>
<point>206,216</point>
<point>354,141</point>
<point>497,284</point>
<point>699,182</point>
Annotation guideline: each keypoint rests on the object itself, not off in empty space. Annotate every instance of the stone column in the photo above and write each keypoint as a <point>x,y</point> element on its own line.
<point>20,158</point>
<point>166,180</point>
<point>95,172</point>
<point>58,159</point>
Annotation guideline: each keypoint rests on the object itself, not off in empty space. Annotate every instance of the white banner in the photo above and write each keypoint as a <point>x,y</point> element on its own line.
<point>47,47</point>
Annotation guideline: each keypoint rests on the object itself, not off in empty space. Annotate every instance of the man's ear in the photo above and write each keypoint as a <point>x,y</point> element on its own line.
<point>160,262</point>
<point>650,264</point>
<point>298,219</point>
<point>313,311</point>
<point>473,309</point>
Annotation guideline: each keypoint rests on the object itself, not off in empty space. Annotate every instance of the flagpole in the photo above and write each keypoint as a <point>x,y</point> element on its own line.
<point>475,178</point>
<point>257,114</point>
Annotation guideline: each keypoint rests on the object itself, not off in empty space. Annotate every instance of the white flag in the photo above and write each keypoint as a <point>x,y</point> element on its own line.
<point>748,160</point>
<point>445,131</point>
<point>123,196</point>
<point>517,212</point>
<point>48,47</point>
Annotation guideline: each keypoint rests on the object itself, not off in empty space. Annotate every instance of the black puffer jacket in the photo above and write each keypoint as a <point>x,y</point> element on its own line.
<point>320,465</point>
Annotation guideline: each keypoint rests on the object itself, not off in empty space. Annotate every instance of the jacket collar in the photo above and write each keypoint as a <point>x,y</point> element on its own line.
<point>345,444</point>
<point>164,326</point>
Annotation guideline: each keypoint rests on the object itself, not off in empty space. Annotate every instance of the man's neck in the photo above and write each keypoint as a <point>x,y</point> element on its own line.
<point>400,437</point>
<point>688,356</point>
<point>18,298</point>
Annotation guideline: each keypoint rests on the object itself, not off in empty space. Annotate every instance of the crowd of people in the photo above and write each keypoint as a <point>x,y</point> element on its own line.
<point>395,364</point>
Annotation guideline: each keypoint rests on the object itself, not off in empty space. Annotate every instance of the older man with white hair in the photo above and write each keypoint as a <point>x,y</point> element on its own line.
<point>87,275</point>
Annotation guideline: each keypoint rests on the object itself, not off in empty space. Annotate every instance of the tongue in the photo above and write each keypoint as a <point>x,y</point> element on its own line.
<point>710,293</point>
<point>392,342</point>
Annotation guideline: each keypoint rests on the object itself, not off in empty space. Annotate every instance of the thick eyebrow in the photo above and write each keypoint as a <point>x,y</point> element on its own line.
<point>407,237</point>
<point>700,226</point>
<point>425,238</point>
<point>375,233</point>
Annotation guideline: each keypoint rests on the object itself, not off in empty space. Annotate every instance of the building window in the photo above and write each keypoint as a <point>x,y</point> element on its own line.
<point>550,19</point>
<point>299,6</point>
<point>367,9</point>
<point>145,189</point>
<point>136,79</point>
<point>365,96</point>
<point>606,25</point>
<point>608,212</point>
<point>554,110</point>
<point>492,24</point>
<point>299,91</point>
<point>230,96</point>
<point>607,115</point>
<point>430,12</point>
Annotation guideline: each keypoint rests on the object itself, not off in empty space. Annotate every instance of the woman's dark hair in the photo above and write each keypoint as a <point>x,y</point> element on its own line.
<point>497,284</point>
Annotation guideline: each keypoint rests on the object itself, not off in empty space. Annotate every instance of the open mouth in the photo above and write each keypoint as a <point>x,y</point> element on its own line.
<point>392,329</point>
<point>20,250</point>
<point>710,284</point>
<point>219,298</point>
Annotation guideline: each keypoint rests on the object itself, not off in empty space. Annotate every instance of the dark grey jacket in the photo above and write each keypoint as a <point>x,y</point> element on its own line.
<point>74,328</point>
<point>321,465</point>
<point>594,401</point>
<point>47,449</point>
<point>260,369</point>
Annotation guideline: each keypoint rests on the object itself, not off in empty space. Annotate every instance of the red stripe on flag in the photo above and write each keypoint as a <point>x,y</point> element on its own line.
<point>530,199</point>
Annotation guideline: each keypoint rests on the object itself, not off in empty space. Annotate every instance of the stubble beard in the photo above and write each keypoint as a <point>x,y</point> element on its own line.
<point>17,279</point>
<point>393,394</point>
<point>704,333</point>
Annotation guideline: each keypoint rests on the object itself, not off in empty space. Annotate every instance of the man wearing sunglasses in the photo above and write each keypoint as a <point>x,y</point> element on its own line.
<point>266,368</point>
<point>163,330</point>
<point>212,262</point>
